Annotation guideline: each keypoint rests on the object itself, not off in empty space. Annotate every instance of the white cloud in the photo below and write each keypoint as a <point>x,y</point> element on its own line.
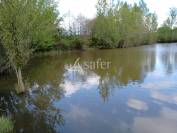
<point>78,113</point>
<point>159,85</point>
<point>169,98</point>
<point>85,7</point>
<point>137,104</point>
<point>71,86</point>
<point>166,122</point>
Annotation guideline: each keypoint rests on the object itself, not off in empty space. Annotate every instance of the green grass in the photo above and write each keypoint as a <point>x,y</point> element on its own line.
<point>6,125</point>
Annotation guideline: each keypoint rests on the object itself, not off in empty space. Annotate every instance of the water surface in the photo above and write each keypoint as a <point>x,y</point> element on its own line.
<point>136,94</point>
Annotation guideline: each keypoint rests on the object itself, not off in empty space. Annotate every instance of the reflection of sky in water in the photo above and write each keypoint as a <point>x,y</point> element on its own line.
<point>149,107</point>
<point>76,80</point>
<point>165,122</point>
<point>137,104</point>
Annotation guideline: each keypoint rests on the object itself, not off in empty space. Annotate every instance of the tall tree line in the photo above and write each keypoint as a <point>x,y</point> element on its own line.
<point>123,25</point>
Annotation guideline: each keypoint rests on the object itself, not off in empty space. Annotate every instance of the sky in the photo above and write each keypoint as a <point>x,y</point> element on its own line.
<point>87,8</point>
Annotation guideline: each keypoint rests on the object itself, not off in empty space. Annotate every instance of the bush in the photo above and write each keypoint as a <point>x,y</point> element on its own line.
<point>165,34</point>
<point>6,125</point>
<point>65,44</point>
<point>79,43</point>
<point>102,43</point>
<point>71,43</point>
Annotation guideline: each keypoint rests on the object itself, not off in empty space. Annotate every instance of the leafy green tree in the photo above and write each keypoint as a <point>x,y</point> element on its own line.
<point>4,65</point>
<point>104,30</point>
<point>132,25</point>
<point>123,25</point>
<point>164,34</point>
<point>168,32</point>
<point>24,26</point>
<point>174,35</point>
<point>102,7</point>
<point>151,28</point>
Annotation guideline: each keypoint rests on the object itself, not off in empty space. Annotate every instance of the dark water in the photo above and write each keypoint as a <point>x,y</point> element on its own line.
<point>136,94</point>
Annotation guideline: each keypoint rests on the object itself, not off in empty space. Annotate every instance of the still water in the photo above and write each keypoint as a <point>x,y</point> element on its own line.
<point>137,93</point>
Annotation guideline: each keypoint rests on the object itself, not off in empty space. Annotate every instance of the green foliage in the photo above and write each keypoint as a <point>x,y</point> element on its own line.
<point>6,125</point>
<point>123,25</point>
<point>4,63</point>
<point>165,34</point>
<point>168,32</point>
<point>101,42</point>
<point>73,42</point>
<point>104,30</point>
<point>26,25</point>
<point>78,43</point>
<point>174,35</point>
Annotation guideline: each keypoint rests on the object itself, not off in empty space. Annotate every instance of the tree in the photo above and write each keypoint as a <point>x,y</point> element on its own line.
<point>80,26</point>
<point>102,7</point>
<point>24,26</point>
<point>123,25</point>
<point>144,7</point>
<point>4,65</point>
<point>104,31</point>
<point>167,32</point>
<point>172,19</point>
<point>151,27</point>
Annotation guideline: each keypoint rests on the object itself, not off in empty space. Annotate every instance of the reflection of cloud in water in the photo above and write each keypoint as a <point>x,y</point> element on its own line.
<point>78,113</point>
<point>137,104</point>
<point>160,85</point>
<point>170,98</point>
<point>72,87</point>
<point>160,96</point>
<point>166,122</point>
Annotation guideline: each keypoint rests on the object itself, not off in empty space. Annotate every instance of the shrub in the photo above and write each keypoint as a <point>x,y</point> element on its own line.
<point>79,43</point>
<point>71,43</point>
<point>102,42</point>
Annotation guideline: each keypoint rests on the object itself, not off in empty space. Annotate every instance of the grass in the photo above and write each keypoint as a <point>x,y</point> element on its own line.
<point>6,125</point>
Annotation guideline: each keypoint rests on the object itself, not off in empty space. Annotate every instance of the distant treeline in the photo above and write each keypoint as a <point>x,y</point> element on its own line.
<point>119,25</point>
<point>167,34</point>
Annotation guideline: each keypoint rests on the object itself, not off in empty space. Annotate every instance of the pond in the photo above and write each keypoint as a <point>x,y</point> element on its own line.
<point>73,93</point>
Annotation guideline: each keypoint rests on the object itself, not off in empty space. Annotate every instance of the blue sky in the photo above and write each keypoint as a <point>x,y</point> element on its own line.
<point>87,7</point>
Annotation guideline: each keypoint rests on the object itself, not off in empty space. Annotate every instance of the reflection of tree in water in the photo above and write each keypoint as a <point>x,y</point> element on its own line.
<point>35,111</point>
<point>76,75</point>
<point>105,86</point>
<point>168,57</point>
<point>127,67</point>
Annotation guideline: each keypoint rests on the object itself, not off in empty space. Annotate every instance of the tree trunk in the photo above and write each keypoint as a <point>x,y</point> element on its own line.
<point>21,86</point>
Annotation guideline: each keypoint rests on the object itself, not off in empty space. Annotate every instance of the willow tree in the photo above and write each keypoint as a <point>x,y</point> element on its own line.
<point>25,25</point>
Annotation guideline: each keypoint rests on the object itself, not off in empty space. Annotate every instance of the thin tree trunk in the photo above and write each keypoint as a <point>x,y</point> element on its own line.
<point>21,86</point>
